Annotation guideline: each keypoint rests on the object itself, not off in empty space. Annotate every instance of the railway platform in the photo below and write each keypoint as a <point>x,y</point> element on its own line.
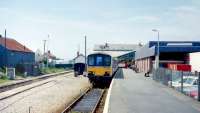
<point>131,92</point>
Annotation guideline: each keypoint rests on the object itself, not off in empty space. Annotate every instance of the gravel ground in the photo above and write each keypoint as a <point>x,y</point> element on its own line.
<point>51,97</point>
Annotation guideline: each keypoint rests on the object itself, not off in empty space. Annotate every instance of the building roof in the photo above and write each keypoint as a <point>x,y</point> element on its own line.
<point>13,45</point>
<point>150,49</point>
<point>50,55</point>
<point>116,47</point>
<point>127,56</point>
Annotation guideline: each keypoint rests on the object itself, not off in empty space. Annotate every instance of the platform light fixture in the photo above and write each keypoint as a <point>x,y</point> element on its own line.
<point>158,46</point>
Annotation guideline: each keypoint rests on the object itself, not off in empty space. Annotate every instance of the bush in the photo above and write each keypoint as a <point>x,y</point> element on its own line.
<point>3,69</point>
<point>4,77</point>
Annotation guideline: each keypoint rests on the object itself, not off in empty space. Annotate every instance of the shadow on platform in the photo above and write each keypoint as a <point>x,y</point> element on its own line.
<point>119,74</point>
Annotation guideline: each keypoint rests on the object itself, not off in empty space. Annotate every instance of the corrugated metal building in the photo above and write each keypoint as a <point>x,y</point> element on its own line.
<point>13,53</point>
<point>170,52</point>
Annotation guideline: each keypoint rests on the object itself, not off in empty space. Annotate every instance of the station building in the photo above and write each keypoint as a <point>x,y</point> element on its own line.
<point>128,57</point>
<point>123,52</point>
<point>170,52</point>
<point>13,53</point>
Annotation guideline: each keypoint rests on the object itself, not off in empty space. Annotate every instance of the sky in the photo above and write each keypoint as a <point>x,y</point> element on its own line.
<point>111,21</point>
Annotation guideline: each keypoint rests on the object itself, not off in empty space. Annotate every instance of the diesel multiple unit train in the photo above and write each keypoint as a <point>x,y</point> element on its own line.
<point>100,68</point>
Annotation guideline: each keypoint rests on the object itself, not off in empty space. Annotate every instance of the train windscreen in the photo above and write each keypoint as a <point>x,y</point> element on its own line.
<point>99,60</point>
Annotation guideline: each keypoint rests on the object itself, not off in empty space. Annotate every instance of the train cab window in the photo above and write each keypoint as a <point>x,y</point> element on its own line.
<point>91,61</point>
<point>99,60</point>
<point>107,60</point>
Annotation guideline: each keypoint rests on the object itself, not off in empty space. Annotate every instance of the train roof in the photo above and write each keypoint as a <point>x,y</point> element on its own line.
<point>111,53</point>
<point>100,53</point>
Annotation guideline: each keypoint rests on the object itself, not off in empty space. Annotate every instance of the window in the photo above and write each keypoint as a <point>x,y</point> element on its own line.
<point>91,61</point>
<point>189,81</point>
<point>99,60</point>
<point>195,82</point>
<point>107,61</point>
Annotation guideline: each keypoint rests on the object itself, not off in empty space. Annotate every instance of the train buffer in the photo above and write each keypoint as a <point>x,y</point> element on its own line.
<point>131,92</point>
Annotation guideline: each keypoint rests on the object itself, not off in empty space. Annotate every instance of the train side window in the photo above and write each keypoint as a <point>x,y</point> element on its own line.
<point>91,61</point>
<point>99,60</point>
<point>107,60</point>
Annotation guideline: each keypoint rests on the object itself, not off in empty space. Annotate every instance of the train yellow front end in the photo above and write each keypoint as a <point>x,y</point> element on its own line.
<point>100,69</point>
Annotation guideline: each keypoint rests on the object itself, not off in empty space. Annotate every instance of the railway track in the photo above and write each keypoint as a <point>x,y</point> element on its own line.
<point>87,102</point>
<point>30,81</point>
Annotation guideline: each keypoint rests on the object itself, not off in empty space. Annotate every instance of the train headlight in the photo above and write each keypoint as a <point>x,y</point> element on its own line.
<point>91,73</point>
<point>107,73</point>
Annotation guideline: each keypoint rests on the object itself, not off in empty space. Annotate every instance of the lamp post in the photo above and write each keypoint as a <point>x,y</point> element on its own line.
<point>158,46</point>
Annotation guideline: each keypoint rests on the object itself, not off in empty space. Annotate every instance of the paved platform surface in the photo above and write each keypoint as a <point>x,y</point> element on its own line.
<point>51,96</point>
<point>133,93</point>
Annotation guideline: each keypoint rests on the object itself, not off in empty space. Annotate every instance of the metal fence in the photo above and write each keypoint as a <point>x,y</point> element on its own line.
<point>185,82</point>
<point>29,68</point>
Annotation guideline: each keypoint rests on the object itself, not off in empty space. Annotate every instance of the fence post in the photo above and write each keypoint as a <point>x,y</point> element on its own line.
<point>171,78</point>
<point>181,81</point>
<point>199,86</point>
<point>29,109</point>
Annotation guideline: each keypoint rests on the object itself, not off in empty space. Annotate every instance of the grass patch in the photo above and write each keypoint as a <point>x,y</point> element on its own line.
<point>4,79</point>
<point>17,73</point>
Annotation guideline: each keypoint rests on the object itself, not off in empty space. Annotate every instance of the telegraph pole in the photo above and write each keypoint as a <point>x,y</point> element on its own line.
<point>48,50</point>
<point>85,54</point>
<point>5,49</point>
<point>44,48</point>
<point>44,45</point>
<point>48,41</point>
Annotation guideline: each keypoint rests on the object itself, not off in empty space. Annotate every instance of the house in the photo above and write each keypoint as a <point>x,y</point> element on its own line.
<point>13,53</point>
<point>79,64</point>
<point>80,58</point>
<point>50,58</point>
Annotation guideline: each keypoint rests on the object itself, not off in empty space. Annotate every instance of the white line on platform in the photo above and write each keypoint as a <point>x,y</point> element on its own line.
<point>106,106</point>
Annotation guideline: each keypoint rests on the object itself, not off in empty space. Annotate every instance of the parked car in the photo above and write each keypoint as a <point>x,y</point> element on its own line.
<point>191,81</point>
<point>188,81</point>
<point>194,94</point>
<point>187,90</point>
<point>177,83</point>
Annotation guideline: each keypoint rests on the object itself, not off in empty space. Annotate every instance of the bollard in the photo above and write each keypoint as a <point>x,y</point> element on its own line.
<point>181,81</point>
<point>199,86</point>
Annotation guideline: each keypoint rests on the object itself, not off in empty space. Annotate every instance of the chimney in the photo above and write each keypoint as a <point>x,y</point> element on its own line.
<point>140,44</point>
<point>78,53</point>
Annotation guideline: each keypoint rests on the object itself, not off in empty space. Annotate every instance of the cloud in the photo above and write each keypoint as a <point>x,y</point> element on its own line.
<point>186,9</point>
<point>144,19</point>
<point>181,23</point>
